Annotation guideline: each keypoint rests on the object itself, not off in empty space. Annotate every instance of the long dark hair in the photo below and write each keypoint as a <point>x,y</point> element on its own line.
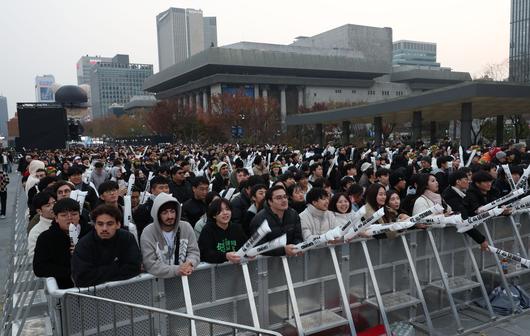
<point>333,202</point>
<point>371,195</point>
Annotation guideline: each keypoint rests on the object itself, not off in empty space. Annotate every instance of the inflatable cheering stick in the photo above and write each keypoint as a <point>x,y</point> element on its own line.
<point>524,262</point>
<point>474,221</point>
<point>262,231</point>
<point>281,241</point>
<point>354,231</point>
<point>499,201</point>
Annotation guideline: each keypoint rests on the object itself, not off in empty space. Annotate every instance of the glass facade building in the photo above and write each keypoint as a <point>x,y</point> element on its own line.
<point>414,53</point>
<point>520,41</point>
<point>116,82</point>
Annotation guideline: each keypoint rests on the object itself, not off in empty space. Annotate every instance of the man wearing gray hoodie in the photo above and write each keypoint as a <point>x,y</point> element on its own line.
<point>163,240</point>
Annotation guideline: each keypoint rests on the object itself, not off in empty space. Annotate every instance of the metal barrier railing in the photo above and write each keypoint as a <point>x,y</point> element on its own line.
<point>21,286</point>
<point>417,270</point>
<point>141,319</point>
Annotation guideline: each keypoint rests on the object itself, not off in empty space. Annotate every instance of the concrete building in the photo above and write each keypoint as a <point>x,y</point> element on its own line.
<point>210,32</point>
<point>84,65</point>
<point>415,53</point>
<point>116,82</point>
<point>349,64</point>
<point>44,89</point>
<point>520,41</point>
<point>182,33</point>
<point>4,116</point>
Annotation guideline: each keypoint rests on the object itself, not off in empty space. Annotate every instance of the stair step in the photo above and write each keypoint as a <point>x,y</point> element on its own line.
<point>40,298</point>
<point>320,321</point>
<point>395,301</point>
<point>456,284</point>
<point>512,271</point>
<point>34,326</point>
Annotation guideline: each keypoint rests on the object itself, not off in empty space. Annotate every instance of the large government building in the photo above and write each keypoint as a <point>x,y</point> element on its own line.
<point>348,64</point>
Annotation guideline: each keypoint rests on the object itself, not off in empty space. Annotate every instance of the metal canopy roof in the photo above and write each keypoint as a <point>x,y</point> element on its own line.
<point>487,98</point>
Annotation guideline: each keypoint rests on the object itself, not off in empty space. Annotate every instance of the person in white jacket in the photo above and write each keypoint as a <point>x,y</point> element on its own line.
<point>316,219</point>
<point>428,195</point>
<point>163,238</point>
<point>43,203</point>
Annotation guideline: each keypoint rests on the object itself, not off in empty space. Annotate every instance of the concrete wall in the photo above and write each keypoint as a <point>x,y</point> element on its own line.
<point>371,42</point>
<point>317,94</point>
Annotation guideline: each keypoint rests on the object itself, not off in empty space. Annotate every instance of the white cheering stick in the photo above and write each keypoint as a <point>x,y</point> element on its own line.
<point>229,163</point>
<point>79,196</point>
<point>434,210</point>
<point>471,157</point>
<point>73,234</point>
<point>316,241</point>
<point>524,262</point>
<point>354,221</point>
<point>363,155</point>
<point>449,151</point>
<point>461,154</point>
<point>521,203</point>
<point>145,151</point>
<point>524,178</point>
<point>281,241</point>
<point>475,221</point>
<point>376,229</point>
<point>127,217</point>
<point>509,177</point>
<point>333,163</point>
<point>130,184</point>
<point>441,221</point>
<point>262,231</point>
<point>354,231</point>
<point>373,163</point>
<point>514,194</point>
<point>268,159</point>
<point>183,251</point>
<point>351,153</point>
<point>147,185</point>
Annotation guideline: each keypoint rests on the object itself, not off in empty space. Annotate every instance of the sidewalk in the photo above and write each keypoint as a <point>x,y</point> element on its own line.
<point>519,326</point>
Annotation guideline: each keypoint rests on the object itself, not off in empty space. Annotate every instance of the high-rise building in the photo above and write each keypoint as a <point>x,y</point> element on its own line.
<point>3,117</point>
<point>115,82</point>
<point>520,41</point>
<point>181,33</point>
<point>84,65</point>
<point>416,53</point>
<point>44,89</point>
<point>210,32</point>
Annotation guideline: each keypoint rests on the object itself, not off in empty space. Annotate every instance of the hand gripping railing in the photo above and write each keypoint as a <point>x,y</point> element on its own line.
<point>151,311</point>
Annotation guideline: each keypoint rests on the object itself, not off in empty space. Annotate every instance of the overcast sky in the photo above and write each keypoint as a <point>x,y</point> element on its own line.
<point>48,37</point>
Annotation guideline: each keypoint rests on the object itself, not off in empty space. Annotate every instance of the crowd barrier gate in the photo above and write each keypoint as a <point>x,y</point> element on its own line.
<point>434,269</point>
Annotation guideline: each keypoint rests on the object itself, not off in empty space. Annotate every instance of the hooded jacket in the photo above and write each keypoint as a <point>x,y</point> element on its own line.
<point>215,242</point>
<point>32,181</point>
<point>97,260</point>
<point>159,259</point>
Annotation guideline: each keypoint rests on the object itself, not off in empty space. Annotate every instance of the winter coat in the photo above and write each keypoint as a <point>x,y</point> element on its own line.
<point>159,259</point>
<point>97,260</point>
<point>289,224</point>
<point>52,255</point>
<point>315,222</point>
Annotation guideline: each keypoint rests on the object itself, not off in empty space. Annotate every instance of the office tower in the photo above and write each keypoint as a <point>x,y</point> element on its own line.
<point>520,41</point>
<point>3,117</point>
<point>44,89</point>
<point>84,65</point>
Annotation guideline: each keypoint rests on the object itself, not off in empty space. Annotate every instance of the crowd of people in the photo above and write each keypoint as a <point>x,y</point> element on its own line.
<point>193,204</point>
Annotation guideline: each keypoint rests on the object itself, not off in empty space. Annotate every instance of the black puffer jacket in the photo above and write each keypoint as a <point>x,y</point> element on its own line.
<point>457,204</point>
<point>289,224</point>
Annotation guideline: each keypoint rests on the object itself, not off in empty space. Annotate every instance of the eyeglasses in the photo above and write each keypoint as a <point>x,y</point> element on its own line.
<point>111,191</point>
<point>280,197</point>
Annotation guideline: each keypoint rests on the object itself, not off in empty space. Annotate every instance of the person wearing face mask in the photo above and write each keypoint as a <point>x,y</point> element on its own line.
<point>316,219</point>
<point>162,240</point>
<point>220,238</point>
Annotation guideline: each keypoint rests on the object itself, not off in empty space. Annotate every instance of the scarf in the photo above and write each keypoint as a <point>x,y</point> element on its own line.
<point>434,197</point>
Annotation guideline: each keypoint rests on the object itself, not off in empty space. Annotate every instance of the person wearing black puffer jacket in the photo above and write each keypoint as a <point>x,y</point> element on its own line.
<point>281,219</point>
<point>108,253</point>
<point>455,195</point>
<point>53,250</point>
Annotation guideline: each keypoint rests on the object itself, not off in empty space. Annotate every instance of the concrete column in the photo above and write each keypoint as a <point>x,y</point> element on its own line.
<point>190,101</point>
<point>416,126</point>
<point>256,91</point>
<point>345,132</point>
<point>197,101</point>
<point>319,134</point>
<point>466,119</point>
<point>265,92</point>
<point>215,90</point>
<point>378,130</point>
<point>283,108</point>
<point>180,102</point>
<point>433,132</point>
<point>301,94</point>
<point>205,101</point>
<point>500,130</point>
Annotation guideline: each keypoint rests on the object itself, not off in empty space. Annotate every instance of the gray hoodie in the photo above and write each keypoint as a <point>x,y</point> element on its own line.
<point>158,259</point>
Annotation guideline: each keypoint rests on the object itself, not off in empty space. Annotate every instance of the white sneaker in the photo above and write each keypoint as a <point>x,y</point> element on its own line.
<point>3,216</point>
